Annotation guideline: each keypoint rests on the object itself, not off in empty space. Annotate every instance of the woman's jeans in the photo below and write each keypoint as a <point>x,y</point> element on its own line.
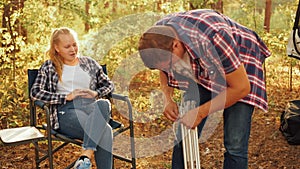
<point>87,119</point>
<point>237,124</point>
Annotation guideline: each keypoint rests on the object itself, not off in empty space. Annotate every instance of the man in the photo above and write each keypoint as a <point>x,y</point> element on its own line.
<point>218,62</point>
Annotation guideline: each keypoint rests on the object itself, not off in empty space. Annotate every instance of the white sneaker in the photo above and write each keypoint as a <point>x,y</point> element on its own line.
<point>83,163</point>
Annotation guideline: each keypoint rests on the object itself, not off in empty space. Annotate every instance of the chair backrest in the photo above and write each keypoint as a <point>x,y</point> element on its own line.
<point>32,74</point>
<point>104,69</point>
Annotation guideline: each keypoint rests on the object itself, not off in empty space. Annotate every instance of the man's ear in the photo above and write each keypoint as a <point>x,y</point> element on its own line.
<point>176,44</point>
<point>178,48</point>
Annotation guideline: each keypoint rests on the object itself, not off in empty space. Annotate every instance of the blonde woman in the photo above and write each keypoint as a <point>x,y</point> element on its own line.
<point>72,84</point>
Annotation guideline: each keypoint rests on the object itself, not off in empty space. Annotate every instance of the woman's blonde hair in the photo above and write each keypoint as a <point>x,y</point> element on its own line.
<point>52,53</point>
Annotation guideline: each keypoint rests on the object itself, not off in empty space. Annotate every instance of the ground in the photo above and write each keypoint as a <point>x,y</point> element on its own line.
<point>268,149</point>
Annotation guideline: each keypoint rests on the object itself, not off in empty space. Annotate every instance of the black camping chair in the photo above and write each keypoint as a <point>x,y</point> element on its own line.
<point>13,136</point>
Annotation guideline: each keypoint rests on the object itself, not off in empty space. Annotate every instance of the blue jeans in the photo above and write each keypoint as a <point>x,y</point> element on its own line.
<point>87,119</point>
<point>237,124</point>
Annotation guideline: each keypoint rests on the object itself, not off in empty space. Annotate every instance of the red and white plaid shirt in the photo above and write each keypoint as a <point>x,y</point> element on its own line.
<point>217,46</point>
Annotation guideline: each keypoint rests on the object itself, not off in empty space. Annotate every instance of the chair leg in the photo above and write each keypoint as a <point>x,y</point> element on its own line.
<point>113,163</point>
<point>132,144</point>
<point>50,153</point>
<point>133,162</point>
<point>71,165</point>
<point>37,158</point>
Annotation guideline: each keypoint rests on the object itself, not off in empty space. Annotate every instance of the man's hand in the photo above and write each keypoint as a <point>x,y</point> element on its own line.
<point>192,118</point>
<point>171,111</point>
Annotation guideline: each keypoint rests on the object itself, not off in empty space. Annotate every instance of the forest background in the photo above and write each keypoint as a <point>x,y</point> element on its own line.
<point>109,31</point>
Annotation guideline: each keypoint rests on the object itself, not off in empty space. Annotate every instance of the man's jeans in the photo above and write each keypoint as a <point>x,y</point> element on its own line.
<point>87,119</point>
<point>237,124</point>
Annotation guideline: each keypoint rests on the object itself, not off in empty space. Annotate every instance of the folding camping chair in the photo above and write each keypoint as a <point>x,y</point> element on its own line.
<point>33,132</point>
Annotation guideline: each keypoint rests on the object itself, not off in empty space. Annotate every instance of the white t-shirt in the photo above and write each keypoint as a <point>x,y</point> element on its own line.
<point>73,77</point>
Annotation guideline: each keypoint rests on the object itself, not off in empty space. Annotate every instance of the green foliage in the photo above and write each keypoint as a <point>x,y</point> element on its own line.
<point>14,98</point>
<point>202,3</point>
<point>251,14</point>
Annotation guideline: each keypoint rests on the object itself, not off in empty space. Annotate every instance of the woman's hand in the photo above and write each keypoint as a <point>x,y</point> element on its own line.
<point>84,93</point>
<point>87,93</point>
<point>171,111</point>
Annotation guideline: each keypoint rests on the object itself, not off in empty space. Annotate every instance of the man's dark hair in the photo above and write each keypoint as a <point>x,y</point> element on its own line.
<point>155,45</point>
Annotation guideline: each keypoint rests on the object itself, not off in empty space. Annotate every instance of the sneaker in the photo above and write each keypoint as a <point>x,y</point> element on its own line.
<point>83,163</point>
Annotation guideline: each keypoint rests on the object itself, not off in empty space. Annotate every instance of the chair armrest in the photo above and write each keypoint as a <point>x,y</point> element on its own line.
<point>40,104</point>
<point>45,107</point>
<point>115,124</point>
<point>125,99</point>
<point>119,97</point>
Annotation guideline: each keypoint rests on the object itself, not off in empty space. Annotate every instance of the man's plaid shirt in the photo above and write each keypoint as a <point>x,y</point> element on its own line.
<point>217,46</point>
<point>45,85</point>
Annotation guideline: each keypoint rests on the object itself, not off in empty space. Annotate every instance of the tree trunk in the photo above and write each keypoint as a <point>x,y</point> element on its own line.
<point>267,25</point>
<point>59,6</point>
<point>114,6</point>
<point>87,9</point>
<point>218,6</point>
<point>291,76</point>
<point>193,6</point>
<point>12,27</point>
<point>268,15</point>
<point>9,9</point>
<point>159,4</point>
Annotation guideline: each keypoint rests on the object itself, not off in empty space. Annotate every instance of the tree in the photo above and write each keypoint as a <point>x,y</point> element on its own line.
<point>197,4</point>
<point>12,28</point>
<point>87,8</point>
<point>268,15</point>
<point>218,6</point>
<point>9,9</point>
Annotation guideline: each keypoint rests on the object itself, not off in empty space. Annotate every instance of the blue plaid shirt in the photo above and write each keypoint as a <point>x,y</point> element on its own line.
<point>45,85</point>
<point>217,46</point>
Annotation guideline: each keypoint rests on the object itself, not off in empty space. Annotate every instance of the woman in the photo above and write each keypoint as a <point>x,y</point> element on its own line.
<point>71,85</point>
